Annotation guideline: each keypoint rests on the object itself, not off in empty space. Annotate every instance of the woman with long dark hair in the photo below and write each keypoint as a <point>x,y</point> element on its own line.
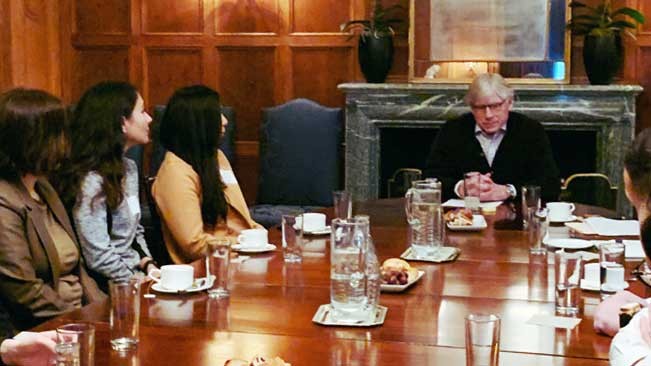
<point>196,193</point>
<point>100,186</point>
<point>41,270</point>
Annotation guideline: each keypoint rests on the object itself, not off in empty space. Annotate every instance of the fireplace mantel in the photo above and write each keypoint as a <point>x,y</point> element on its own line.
<point>609,111</point>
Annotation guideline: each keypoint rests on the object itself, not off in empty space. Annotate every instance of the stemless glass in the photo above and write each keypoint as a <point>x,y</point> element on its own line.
<point>82,334</point>
<point>217,263</point>
<point>292,228</point>
<point>125,314</point>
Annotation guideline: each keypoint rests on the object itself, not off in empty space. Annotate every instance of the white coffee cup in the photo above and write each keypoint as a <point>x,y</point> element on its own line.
<point>174,276</point>
<point>591,272</point>
<point>253,238</point>
<point>615,278</point>
<point>560,211</point>
<point>314,221</point>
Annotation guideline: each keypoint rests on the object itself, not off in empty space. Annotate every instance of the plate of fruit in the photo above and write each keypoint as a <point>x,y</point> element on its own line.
<point>398,275</point>
<point>463,220</point>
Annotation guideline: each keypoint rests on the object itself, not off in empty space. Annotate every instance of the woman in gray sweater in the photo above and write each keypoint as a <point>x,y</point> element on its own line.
<point>100,186</point>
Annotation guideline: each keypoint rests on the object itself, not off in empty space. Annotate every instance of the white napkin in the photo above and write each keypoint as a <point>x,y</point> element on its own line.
<point>608,227</point>
<point>633,249</point>
<point>455,203</point>
<point>548,320</point>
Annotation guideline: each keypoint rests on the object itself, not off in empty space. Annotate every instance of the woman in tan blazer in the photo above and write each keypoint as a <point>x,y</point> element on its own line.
<point>196,192</point>
<point>41,270</point>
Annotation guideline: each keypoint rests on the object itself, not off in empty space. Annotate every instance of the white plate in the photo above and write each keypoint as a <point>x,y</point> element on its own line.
<point>478,223</point>
<point>385,287</point>
<point>247,249</point>
<point>605,287</point>
<point>325,230</point>
<point>568,243</point>
<point>567,219</point>
<point>199,284</point>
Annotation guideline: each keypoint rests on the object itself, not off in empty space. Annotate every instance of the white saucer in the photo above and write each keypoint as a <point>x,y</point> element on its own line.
<point>567,243</point>
<point>247,249</point>
<point>605,287</point>
<point>199,284</point>
<point>567,219</point>
<point>322,231</point>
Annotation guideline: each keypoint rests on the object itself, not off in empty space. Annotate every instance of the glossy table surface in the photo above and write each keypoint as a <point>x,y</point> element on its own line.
<point>271,307</point>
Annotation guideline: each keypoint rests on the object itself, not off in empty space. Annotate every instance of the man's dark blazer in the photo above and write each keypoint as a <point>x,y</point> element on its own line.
<point>524,156</point>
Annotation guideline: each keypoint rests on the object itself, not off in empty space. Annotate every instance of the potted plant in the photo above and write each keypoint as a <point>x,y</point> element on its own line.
<point>375,46</point>
<point>602,28</point>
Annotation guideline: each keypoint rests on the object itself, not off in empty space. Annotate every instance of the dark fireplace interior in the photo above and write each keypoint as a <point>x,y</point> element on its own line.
<point>574,151</point>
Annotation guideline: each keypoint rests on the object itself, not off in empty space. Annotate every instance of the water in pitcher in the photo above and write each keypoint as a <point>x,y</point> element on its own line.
<point>348,284</point>
<point>425,217</point>
<point>426,228</point>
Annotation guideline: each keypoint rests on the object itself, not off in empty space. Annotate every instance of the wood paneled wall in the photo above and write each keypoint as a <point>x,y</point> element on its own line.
<point>256,53</point>
<point>30,44</point>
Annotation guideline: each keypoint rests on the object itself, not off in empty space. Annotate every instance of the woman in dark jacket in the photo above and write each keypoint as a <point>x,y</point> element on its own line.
<point>41,269</point>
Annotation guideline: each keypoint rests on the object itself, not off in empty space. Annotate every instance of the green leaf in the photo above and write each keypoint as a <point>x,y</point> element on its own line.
<point>353,24</point>
<point>576,4</point>
<point>639,17</point>
<point>620,24</point>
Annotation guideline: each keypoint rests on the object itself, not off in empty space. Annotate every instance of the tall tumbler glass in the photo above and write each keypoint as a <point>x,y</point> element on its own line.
<point>472,191</point>
<point>611,264</point>
<point>568,273</point>
<point>82,334</point>
<point>537,229</point>
<point>292,227</point>
<point>348,244</point>
<point>482,340</point>
<point>530,203</point>
<point>343,204</point>
<point>125,314</point>
<point>217,264</point>
<point>425,217</point>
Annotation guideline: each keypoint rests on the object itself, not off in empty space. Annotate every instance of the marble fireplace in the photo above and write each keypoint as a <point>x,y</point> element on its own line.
<point>606,112</point>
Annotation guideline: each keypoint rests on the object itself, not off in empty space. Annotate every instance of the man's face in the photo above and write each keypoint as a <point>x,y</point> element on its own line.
<point>491,112</point>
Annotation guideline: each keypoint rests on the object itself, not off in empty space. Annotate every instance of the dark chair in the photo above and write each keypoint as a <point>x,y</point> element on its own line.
<point>401,181</point>
<point>299,159</point>
<point>227,143</point>
<point>590,188</point>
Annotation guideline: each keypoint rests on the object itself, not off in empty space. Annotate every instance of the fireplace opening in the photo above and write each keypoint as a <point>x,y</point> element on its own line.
<point>573,151</point>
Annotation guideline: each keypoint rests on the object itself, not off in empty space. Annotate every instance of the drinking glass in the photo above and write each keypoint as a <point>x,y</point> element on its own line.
<point>425,217</point>
<point>125,314</point>
<point>530,203</point>
<point>537,228</point>
<point>611,268</point>
<point>67,354</point>
<point>471,191</point>
<point>292,227</point>
<point>482,340</point>
<point>217,263</point>
<point>348,244</point>
<point>82,334</point>
<point>568,273</point>
<point>343,204</point>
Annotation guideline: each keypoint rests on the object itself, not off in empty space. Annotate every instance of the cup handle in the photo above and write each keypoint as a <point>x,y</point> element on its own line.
<point>408,197</point>
<point>155,274</point>
<point>572,207</point>
<point>239,239</point>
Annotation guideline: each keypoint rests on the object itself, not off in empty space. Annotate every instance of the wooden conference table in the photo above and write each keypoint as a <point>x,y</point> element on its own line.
<point>272,304</point>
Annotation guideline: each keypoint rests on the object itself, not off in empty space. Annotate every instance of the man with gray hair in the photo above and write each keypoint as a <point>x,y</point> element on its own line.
<point>506,148</point>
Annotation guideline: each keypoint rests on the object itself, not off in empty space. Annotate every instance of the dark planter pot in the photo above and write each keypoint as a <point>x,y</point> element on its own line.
<point>375,57</point>
<point>602,57</point>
